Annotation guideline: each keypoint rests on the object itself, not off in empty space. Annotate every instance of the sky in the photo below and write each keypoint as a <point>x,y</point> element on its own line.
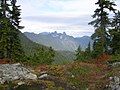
<point>70,16</point>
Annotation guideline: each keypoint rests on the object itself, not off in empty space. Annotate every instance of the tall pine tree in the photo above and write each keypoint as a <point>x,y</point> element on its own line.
<point>101,36</point>
<point>10,46</point>
<point>115,34</point>
<point>88,49</point>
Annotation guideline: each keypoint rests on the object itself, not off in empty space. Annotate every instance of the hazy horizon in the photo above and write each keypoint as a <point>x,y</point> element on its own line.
<point>70,16</point>
<point>57,33</point>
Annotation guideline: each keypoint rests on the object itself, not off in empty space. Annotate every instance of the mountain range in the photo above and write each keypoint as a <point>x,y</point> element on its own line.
<point>29,48</point>
<point>59,41</point>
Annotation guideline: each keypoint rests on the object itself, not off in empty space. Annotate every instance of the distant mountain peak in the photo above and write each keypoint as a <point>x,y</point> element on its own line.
<point>64,33</point>
<point>44,33</point>
<point>55,32</point>
<point>59,41</point>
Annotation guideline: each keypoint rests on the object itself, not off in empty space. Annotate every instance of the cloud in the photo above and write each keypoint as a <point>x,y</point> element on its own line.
<point>75,26</point>
<point>56,7</point>
<point>71,16</point>
<point>57,19</point>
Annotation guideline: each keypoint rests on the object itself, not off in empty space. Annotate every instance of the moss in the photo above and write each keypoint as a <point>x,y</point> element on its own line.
<point>80,70</point>
<point>109,74</point>
<point>2,87</point>
<point>77,83</point>
<point>8,86</point>
<point>49,84</point>
<point>115,58</point>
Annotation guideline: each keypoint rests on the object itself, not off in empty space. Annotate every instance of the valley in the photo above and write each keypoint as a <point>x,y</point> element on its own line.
<point>59,45</point>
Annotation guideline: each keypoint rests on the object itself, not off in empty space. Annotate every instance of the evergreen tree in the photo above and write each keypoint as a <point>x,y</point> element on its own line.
<point>78,53</point>
<point>115,34</point>
<point>83,55</point>
<point>10,46</point>
<point>101,36</point>
<point>3,24</point>
<point>43,56</point>
<point>88,49</point>
<point>15,15</point>
<point>51,55</point>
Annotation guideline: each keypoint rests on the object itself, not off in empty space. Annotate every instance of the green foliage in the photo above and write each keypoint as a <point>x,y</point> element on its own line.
<point>88,49</point>
<point>30,48</point>
<point>115,34</point>
<point>63,57</point>
<point>10,45</point>
<point>115,58</point>
<point>2,87</point>
<point>101,36</point>
<point>97,50</point>
<point>76,72</point>
<point>78,53</point>
<point>80,71</point>
<point>77,83</point>
<point>83,55</point>
<point>42,56</point>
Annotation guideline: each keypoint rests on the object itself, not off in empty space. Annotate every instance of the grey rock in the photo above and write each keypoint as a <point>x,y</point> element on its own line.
<point>43,72</point>
<point>114,83</point>
<point>21,83</point>
<point>31,76</point>
<point>115,64</point>
<point>72,76</point>
<point>43,76</point>
<point>11,72</point>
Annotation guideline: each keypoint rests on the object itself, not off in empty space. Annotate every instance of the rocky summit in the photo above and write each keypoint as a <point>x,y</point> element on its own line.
<point>11,72</point>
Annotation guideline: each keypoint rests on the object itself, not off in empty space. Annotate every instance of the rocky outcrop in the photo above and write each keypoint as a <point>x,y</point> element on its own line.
<point>11,72</point>
<point>116,64</point>
<point>114,83</point>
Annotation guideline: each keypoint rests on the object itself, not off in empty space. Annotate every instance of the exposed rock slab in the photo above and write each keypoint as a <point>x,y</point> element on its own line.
<point>11,72</point>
